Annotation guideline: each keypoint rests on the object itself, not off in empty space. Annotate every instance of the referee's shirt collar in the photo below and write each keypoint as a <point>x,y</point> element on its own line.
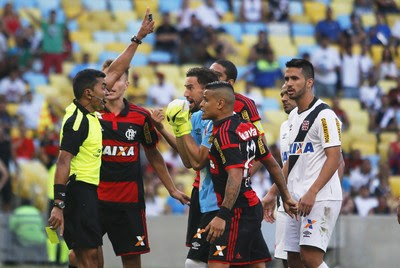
<point>80,107</point>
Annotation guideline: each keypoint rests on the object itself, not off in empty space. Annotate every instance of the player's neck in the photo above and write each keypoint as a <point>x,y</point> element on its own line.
<point>223,115</point>
<point>304,102</point>
<point>115,106</point>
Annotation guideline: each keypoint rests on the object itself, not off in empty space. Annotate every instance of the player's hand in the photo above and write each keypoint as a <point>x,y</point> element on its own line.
<point>269,203</point>
<point>157,115</point>
<point>182,197</point>
<point>290,207</point>
<point>215,229</point>
<point>146,27</point>
<point>178,117</point>
<point>306,203</point>
<point>57,220</point>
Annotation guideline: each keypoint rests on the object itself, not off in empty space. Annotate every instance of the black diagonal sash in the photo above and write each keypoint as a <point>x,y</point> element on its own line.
<point>302,133</point>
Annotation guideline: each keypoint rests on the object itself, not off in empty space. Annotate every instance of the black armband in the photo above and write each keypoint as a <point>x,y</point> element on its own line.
<point>224,213</point>
<point>59,191</point>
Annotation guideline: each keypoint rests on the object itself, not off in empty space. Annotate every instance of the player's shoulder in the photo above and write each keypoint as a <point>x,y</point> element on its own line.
<point>284,125</point>
<point>245,100</point>
<point>133,108</point>
<point>244,129</point>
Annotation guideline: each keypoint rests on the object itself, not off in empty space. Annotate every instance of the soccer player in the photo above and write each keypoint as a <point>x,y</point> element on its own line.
<point>235,233</point>
<point>190,139</point>
<point>312,168</point>
<point>79,159</point>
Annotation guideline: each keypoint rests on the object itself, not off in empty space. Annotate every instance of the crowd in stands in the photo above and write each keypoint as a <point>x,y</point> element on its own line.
<point>353,45</point>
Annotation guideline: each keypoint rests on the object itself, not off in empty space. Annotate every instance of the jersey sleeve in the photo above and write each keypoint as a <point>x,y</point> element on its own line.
<point>251,109</point>
<point>150,137</point>
<point>206,134</point>
<point>262,151</point>
<point>73,139</point>
<point>329,129</point>
<point>229,149</point>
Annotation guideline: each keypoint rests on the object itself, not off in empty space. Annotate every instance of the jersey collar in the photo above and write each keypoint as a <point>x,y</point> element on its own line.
<point>80,107</point>
<point>124,111</point>
<point>220,122</point>
<point>310,105</point>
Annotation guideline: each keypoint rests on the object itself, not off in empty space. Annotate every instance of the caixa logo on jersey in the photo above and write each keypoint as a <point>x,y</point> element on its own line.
<point>109,150</point>
<point>298,148</point>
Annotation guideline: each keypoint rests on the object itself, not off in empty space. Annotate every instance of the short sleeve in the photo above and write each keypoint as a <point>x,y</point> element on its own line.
<point>329,129</point>
<point>73,139</point>
<point>150,137</point>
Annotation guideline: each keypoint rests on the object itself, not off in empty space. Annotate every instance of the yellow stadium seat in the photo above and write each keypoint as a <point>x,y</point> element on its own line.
<point>169,70</point>
<point>47,91</point>
<point>358,117</point>
<point>342,8</point>
<point>144,48</point>
<point>366,148</point>
<point>300,19</point>
<point>316,11</point>
<point>115,46</point>
<point>125,15</point>
<point>60,81</point>
<point>376,51</point>
<point>185,67</point>
<point>274,93</point>
<point>194,4</point>
<point>12,108</point>
<point>249,40</point>
<point>304,40</point>
<point>383,150</point>
<point>80,36</point>
<point>282,46</point>
<point>113,26</point>
<point>35,12</point>
<point>71,10</point>
<point>94,49</point>
<point>388,137</point>
<point>391,19</point>
<point>394,182</point>
<point>350,105</point>
<point>387,85</point>
<point>67,67</point>
<point>368,19</point>
<point>347,139</point>
<point>228,17</point>
<point>275,117</point>
<point>141,5</point>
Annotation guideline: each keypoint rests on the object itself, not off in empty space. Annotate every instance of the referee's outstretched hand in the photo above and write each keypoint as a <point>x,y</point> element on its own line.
<point>57,220</point>
<point>147,26</point>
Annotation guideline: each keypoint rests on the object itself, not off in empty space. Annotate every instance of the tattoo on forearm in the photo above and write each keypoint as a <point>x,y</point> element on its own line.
<point>231,192</point>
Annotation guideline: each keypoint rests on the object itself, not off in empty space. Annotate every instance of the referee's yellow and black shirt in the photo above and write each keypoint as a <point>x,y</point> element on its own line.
<point>82,137</point>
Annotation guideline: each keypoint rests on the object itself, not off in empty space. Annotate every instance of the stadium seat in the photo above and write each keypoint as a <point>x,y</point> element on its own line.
<point>391,19</point>
<point>95,5</point>
<point>93,48</point>
<point>350,105</point>
<point>270,104</point>
<point>80,36</point>
<point>12,108</point>
<point>170,6</point>
<point>295,8</point>
<point>139,60</point>
<point>394,182</point>
<point>274,93</point>
<point>368,19</point>
<point>344,21</point>
<point>386,85</point>
<point>376,53</point>
<point>366,148</point>
<point>253,27</point>
<point>140,6</point>
<point>34,79</point>
<point>160,57</point>
<point>222,5</point>
<point>282,46</point>
<point>304,40</point>
<point>300,19</point>
<point>249,39</point>
<point>35,12</point>
<point>47,6</point>
<point>315,10</point>
<point>282,61</point>
<point>303,29</point>
<point>234,29</point>
<point>342,8</point>
<point>278,28</point>
<point>301,49</point>
<point>19,4</point>
<point>228,17</point>
<point>124,15</point>
<point>105,55</point>
<point>104,37</point>
<point>115,46</point>
<point>121,5</point>
<point>169,70</point>
<point>59,81</point>
<point>275,117</point>
<point>133,26</point>
<point>388,137</point>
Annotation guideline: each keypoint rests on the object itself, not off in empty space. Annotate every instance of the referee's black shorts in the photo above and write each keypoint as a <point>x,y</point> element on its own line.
<point>194,217</point>
<point>81,217</point>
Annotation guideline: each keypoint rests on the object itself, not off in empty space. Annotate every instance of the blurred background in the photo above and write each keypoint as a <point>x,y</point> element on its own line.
<point>353,44</point>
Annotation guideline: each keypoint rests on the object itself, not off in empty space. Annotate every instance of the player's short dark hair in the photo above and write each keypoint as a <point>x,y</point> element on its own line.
<point>107,64</point>
<point>85,79</point>
<point>203,74</point>
<point>224,88</point>
<point>230,69</point>
<point>307,68</point>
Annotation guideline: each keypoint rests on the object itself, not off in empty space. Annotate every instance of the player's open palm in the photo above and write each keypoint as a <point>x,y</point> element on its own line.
<point>306,203</point>
<point>57,220</point>
<point>269,203</point>
<point>215,229</point>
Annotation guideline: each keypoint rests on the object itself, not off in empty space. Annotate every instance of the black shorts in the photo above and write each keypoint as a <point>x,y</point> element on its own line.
<point>242,242</point>
<point>199,247</point>
<point>81,217</point>
<point>194,216</point>
<point>125,225</point>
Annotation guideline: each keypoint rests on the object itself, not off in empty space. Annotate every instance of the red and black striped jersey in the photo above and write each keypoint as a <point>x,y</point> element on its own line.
<point>236,143</point>
<point>120,174</point>
<point>246,108</point>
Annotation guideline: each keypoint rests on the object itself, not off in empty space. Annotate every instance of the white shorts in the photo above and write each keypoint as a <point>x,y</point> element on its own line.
<point>280,235</point>
<point>315,229</point>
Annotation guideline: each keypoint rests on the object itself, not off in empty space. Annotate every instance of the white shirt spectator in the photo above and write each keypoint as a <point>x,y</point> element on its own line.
<point>364,205</point>
<point>184,18</point>
<point>162,94</point>
<point>358,179</point>
<point>387,69</point>
<point>209,16</point>
<point>350,70</point>
<point>3,46</point>
<point>13,89</point>
<point>370,96</point>
<point>252,10</point>
<point>326,59</point>
<point>30,110</point>
<point>366,65</point>
<point>396,29</point>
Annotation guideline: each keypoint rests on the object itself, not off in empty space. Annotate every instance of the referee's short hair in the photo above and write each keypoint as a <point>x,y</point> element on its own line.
<point>86,78</point>
<point>306,67</point>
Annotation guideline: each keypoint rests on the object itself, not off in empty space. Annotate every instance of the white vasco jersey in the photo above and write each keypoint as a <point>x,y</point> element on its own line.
<point>284,144</point>
<point>325,132</point>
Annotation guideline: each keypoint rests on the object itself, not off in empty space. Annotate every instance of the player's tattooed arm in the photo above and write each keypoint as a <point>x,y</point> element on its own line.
<point>232,187</point>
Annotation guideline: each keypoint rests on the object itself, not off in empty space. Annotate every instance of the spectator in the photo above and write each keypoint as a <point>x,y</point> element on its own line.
<point>5,118</point>
<point>363,7</point>
<point>394,155</point>
<point>278,10</point>
<point>252,11</point>
<point>217,48</point>
<point>340,113</point>
<point>190,51</point>
<point>364,202</point>
<point>385,118</point>
<point>348,206</point>
<point>382,208</point>
<point>173,161</point>
<point>356,33</point>
<point>328,27</point>
<point>154,203</point>
<point>12,86</point>
<point>30,109</point>
<point>166,35</point>
<point>350,72</point>
<point>67,45</point>
<point>260,48</point>
<point>3,47</point>
<point>362,176</point>
<point>10,20</point>
<point>353,160</point>
<point>3,175</point>
<point>49,147</point>
<point>23,146</point>
<point>380,185</point>
<point>379,34</point>
<point>6,156</point>
<point>137,89</point>
<point>184,16</point>
<point>386,6</point>
<point>396,33</point>
<point>161,93</point>
<point>326,63</point>
<point>370,94</point>
<point>387,67</point>
<point>267,72</point>
<point>85,64</point>
<point>256,96</point>
<point>209,14</point>
<point>173,206</point>
<point>394,94</point>
<point>366,62</point>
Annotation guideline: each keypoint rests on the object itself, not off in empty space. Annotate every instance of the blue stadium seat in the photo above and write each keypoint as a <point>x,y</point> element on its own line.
<point>73,25</point>
<point>220,4</point>
<point>160,57</point>
<point>18,4</point>
<point>234,29</point>
<point>46,6</point>
<point>169,6</point>
<point>326,2</point>
<point>271,104</point>
<point>35,79</point>
<point>344,21</point>
<point>374,159</point>
<point>124,37</point>
<point>105,55</point>
<point>303,29</point>
<point>95,5</point>
<point>306,48</point>
<point>139,59</point>
<point>282,61</point>
<point>76,47</point>
<point>254,27</point>
<point>296,8</point>
<point>133,26</point>
<point>236,7</point>
<point>104,37</point>
<point>122,5</point>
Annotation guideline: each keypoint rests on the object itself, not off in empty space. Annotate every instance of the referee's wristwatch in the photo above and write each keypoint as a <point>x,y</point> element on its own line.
<point>136,40</point>
<point>60,204</point>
